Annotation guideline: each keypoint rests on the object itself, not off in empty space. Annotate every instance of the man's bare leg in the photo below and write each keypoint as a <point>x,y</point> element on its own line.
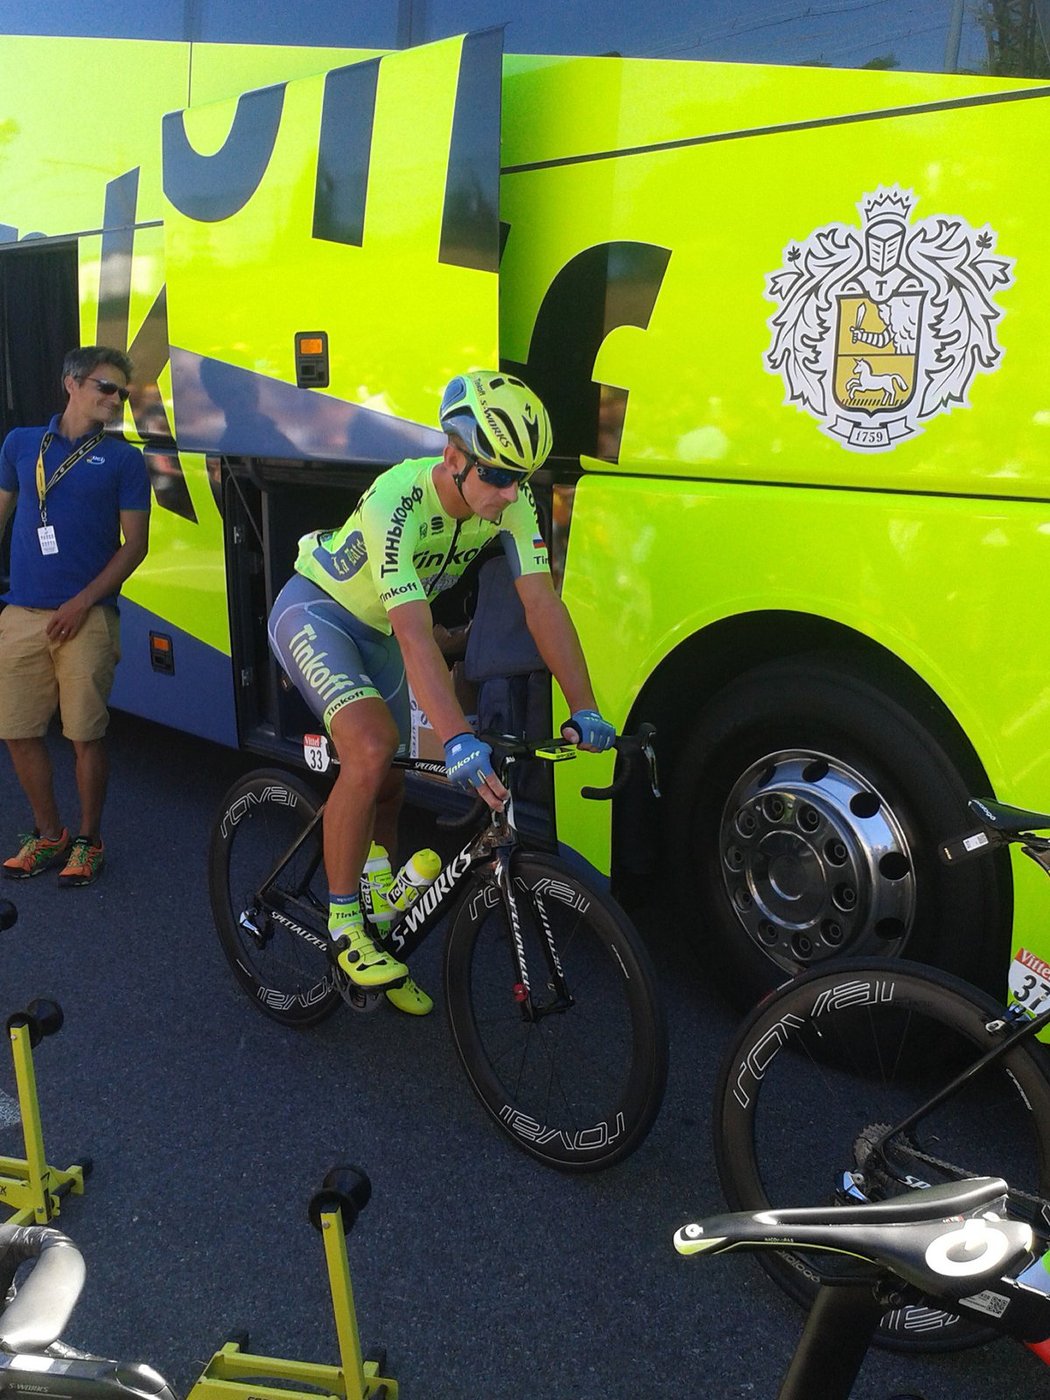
<point>32,765</point>
<point>92,781</point>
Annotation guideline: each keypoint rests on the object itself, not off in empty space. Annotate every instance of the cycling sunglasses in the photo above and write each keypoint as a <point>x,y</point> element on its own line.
<point>107,387</point>
<point>499,477</point>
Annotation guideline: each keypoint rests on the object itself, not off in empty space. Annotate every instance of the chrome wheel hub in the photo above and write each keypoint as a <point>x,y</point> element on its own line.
<point>814,861</point>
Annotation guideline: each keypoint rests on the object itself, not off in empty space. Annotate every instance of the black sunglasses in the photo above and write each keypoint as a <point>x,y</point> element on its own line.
<point>106,386</point>
<point>500,477</point>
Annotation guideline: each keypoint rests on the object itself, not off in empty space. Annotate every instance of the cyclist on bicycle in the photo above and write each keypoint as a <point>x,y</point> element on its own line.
<point>355,617</point>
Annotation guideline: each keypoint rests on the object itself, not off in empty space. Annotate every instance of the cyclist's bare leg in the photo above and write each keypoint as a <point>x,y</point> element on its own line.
<point>388,812</point>
<point>366,739</point>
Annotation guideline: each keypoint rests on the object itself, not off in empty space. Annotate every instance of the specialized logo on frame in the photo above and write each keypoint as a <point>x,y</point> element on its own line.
<point>882,327</point>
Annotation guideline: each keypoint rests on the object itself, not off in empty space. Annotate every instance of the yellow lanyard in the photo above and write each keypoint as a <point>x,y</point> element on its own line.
<point>42,486</point>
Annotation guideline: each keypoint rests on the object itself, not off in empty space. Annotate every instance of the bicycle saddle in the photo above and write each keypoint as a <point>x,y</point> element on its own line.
<point>933,1238</point>
<point>39,1311</point>
<point>1010,820</point>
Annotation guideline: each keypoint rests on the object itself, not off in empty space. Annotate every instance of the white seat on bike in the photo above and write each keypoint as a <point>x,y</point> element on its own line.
<point>40,1310</point>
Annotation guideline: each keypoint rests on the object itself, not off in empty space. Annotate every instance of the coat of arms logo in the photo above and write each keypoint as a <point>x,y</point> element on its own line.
<point>880,328</point>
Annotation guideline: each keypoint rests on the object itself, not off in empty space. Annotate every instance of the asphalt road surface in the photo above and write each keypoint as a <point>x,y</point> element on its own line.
<point>483,1274</point>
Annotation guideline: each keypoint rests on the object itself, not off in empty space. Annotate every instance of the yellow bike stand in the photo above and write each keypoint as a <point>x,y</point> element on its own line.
<point>236,1374</point>
<point>31,1188</point>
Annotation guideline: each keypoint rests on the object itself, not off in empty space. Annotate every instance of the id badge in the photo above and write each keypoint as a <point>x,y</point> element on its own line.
<point>48,543</point>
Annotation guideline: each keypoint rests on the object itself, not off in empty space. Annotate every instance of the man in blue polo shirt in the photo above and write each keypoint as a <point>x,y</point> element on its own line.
<point>81,523</point>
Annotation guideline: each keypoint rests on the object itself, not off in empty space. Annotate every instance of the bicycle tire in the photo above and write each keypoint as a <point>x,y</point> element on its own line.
<point>577,1089</point>
<point>834,1054</point>
<point>288,978</point>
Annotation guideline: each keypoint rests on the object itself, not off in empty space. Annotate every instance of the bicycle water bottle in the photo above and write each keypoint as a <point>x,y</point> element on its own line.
<point>376,879</point>
<point>1037,1275</point>
<point>416,875</point>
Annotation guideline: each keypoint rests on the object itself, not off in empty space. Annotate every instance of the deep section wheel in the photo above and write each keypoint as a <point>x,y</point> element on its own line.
<point>273,938</point>
<point>579,1084</point>
<point>819,1074</point>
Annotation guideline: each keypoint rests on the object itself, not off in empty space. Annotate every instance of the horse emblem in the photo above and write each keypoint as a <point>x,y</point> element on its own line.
<point>884,386</point>
<point>881,328</point>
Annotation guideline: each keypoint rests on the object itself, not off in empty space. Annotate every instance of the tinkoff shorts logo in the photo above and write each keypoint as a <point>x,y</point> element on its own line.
<point>880,328</point>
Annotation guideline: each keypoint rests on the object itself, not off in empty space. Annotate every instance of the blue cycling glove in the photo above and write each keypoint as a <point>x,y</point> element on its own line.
<point>468,761</point>
<point>593,732</point>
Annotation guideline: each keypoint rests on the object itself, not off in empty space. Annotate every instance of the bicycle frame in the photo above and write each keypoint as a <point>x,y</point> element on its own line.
<point>1024,1025</point>
<point>496,843</point>
<point>1030,1026</point>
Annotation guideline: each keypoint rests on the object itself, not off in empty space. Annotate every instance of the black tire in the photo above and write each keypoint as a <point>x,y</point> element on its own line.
<point>578,1089</point>
<point>808,813</point>
<point>843,1050</point>
<point>287,976</point>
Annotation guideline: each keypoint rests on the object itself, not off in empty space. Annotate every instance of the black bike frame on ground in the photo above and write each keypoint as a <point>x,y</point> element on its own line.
<point>859,1081</point>
<point>551,999</point>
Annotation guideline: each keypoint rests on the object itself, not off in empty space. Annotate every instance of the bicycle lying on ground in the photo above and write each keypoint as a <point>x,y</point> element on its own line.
<point>35,1308</point>
<point>953,1247</point>
<point>552,1000</point>
<point>857,1082</point>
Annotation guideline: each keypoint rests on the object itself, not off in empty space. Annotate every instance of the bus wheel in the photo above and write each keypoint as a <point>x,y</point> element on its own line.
<point>808,814</point>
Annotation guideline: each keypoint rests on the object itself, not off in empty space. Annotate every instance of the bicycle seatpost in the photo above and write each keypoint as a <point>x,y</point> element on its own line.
<point>834,1342</point>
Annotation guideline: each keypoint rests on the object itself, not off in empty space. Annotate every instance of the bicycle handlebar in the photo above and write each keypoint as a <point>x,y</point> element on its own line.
<point>507,748</point>
<point>628,747</point>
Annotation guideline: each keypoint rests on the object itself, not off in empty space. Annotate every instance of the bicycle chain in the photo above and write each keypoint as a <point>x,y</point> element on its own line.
<point>872,1135</point>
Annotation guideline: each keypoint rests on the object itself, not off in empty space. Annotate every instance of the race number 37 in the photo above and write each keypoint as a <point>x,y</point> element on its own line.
<point>1030,982</point>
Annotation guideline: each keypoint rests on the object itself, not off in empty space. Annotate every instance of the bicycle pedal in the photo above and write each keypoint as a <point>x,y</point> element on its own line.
<point>363,999</point>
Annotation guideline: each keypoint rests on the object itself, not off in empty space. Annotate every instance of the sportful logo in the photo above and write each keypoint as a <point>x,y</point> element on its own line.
<point>881,328</point>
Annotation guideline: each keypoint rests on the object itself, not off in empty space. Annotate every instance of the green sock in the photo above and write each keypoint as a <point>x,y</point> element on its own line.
<point>344,909</point>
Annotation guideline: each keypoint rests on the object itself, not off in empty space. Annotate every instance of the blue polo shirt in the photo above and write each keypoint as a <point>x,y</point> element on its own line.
<point>84,508</point>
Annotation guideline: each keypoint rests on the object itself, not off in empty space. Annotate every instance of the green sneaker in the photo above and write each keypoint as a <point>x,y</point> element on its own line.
<point>85,863</point>
<point>36,854</point>
<point>366,964</point>
<point>410,998</point>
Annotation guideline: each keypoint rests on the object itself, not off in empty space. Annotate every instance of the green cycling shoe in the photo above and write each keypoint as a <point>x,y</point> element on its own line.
<point>410,998</point>
<point>366,964</point>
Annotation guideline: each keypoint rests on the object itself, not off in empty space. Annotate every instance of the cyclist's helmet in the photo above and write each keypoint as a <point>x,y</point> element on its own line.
<point>498,419</point>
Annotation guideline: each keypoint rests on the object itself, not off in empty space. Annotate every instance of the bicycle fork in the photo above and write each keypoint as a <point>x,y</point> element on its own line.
<point>523,992</point>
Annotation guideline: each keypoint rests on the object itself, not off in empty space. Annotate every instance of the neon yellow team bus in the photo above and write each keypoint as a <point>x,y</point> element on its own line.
<point>782,276</point>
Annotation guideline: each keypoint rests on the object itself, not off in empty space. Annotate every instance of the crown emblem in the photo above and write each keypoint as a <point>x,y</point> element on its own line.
<point>880,328</point>
<point>895,201</point>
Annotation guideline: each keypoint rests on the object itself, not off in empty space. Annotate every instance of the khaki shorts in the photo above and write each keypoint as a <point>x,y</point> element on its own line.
<point>38,675</point>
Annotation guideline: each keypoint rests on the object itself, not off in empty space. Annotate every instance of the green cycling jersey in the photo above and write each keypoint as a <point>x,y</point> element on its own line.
<point>400,544</point>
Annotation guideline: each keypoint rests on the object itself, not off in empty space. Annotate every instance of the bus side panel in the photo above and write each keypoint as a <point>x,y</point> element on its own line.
<point>702,258</point>
<point>324,205</point>
<point>792,326</point>
<point>942,585</point>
